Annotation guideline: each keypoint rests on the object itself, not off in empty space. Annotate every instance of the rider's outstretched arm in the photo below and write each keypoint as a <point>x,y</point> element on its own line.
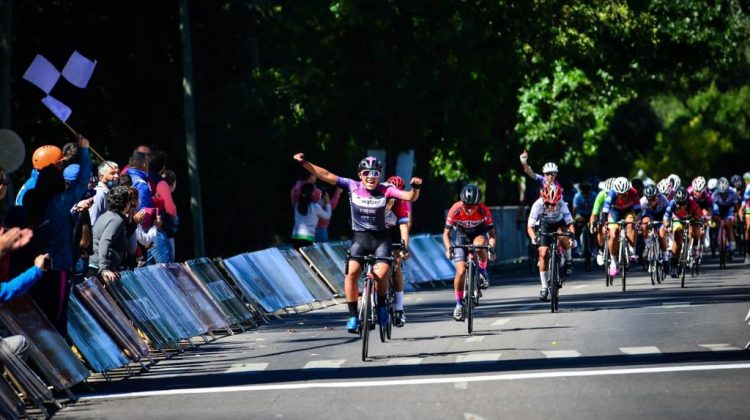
<point>322,173</point>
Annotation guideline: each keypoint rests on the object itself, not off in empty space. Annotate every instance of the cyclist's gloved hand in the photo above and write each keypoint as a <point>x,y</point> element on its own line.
<point>592,229</point>
<point>405,254</point>
<point>449,254</point>
<point>524,157</point>
<point>535,240</point>
<point>493,254</point>
<point>573,243</point>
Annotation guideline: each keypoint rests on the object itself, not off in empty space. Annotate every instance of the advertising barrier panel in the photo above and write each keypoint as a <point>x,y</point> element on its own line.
<point>199,300</point>
<point>276,270</point>
<point>205,272</point>
<point>96,346</point>
<point>316,287</point>
<point>328,268</point>
<point>252,283</point>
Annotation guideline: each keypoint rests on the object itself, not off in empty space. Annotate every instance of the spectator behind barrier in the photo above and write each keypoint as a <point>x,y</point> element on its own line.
<point>108,177</point>
<point>110,236</point>
<point>138,171</point>
<point>161,250</point>
<point>307,214</point>
<point>47,211</point>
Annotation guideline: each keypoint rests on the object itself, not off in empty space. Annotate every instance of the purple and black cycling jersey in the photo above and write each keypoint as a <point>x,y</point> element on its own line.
<point>368,207</point>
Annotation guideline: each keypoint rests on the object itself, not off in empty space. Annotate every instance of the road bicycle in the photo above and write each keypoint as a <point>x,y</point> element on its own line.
<point>472,293</point>
<point>368,299</point>
<point>654,253</point>
<point>721,244</point>
<point>687,257</point>
<point>623,253</point>
<point>390,297</point>
<point>555,268</point>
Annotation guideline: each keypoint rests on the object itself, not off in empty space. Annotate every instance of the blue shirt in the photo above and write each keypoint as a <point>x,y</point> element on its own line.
<point>10,290</point>
<point>584,205</point>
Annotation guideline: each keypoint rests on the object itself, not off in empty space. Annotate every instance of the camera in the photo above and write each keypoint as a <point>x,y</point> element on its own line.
<point>47,265</point>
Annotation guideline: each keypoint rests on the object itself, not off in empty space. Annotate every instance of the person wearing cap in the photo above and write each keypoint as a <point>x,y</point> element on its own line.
<point>42,157</point>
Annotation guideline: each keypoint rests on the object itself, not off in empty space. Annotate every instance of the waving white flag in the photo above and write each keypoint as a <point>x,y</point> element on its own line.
<point>42,74</point>
<point>78,70</point>
<point>58,108</point>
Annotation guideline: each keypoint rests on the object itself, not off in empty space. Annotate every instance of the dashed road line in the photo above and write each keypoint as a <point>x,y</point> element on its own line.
<point>475,339</point>
<point>560,354</point>
<point>720,347</point>
<point>478,358</point>
<point>324,364</point>
<point>500,322</point>
<point>247,367</point>
<point>636,351</point>
<point>406,361</point>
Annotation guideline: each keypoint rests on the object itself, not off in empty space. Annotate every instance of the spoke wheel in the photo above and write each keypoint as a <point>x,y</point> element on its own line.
<point>367,317</point>
<point>469,296</point>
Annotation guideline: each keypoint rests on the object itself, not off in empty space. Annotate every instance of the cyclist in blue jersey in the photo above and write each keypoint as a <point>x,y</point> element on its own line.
<point>583,206</point>
<point>725,200</point>
<point>368,199</point>
<point>653,205</point>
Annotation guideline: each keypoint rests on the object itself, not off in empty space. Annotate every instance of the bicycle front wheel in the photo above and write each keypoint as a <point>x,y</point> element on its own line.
<point>469,295</point>
<point>367,317</point>
<point>553,281</point>
<point>624,261</point>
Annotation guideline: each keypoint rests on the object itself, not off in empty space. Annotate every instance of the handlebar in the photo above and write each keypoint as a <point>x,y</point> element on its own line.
<point>557,234</point>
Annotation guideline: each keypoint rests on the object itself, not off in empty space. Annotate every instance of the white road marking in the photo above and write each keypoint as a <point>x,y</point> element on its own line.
<point>324,364</point>
<point>478,358</point>
<point>423,381</point>
<point>580,286</point>
<point>406,361</point>
<point>475,339</point>
<point>472,416</point>
<point>247,367</point>
<point>500,321</point>
<point>461,385</point>
<point>640,350</point>
<point>720,347</point>
<point>560,354</point>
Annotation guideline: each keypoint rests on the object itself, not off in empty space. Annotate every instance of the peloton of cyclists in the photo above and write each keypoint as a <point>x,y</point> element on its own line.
<point>472,221</point>
<point>550,214</point>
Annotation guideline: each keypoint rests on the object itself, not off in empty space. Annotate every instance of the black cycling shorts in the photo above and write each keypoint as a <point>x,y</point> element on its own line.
<point>377,243</point>
<point>547,227</point>
<point>459,254</point>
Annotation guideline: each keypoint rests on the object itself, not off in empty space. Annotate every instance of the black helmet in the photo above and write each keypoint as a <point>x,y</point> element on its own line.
<point>585,186</point>
<point>637,183</point>
<point>681,195</point>
<point>370,163</point>
<point>650,191</point>
<point>736,181</point>
<point>471,195</point>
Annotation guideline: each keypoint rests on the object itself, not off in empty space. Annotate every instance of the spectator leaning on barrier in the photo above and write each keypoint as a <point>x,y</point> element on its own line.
<point>47,209</point>
<point>108,176</point>
<point>111,236</point>
<point>307,214</point>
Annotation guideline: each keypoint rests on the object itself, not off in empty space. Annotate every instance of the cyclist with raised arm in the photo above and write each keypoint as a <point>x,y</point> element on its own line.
<point>472,221</point>
<point>725,201</point>
<point>368,199</point>
<point>685,210</point>
<point>549,170</point>
<point>654,204</point>
<point>622,203</point>
<point>551,214</point>
<point>745,212</point>
<point>597,221</point>
<point>398,221</point>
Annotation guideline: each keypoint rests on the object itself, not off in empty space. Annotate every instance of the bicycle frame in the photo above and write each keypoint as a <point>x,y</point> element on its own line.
<point>555,280</point>
<point>471,281</point>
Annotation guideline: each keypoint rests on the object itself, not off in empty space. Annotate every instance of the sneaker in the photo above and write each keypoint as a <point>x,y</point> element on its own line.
<point>613,272</point>
<point>458,313</point>
<point>673,273</point>
<point>483,283</point>
<point>399,319</point>
<point>600,258</point>
<point>568,268</point>
<point>352,325</point>
<point>544,294</point>
<point>383,316</point>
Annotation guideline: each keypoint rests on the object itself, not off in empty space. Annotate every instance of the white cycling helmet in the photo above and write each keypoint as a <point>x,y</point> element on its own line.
<point>549,167</point>
<point>606,185</point>
<point>746,176</point>
<point>675,181</point>
<point>712,184</point>
<point>723,185</point>
<point>621,185</point>
<point>699,184</point>
<point>664,186</point>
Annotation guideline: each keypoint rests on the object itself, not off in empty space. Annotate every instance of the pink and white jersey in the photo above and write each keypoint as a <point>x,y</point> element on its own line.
<point>368,206</point>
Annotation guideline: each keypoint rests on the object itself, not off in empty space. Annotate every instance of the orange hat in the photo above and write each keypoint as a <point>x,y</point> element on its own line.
<point>45,156</point>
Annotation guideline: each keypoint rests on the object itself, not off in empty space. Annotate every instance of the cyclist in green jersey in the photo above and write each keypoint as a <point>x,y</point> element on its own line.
<point>597,224</point>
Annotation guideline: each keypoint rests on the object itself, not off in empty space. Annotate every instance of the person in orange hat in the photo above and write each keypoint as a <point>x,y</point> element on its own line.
<point>42,157</point>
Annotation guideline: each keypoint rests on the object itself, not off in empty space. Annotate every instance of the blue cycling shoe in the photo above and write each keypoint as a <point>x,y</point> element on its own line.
<point>352,325</point>
<point>383,316</point>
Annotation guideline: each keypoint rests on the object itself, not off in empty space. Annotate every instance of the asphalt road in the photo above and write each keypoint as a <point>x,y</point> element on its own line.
<point>650,352</point>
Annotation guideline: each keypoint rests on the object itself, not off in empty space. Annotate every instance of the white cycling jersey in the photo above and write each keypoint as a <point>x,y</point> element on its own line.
<point>549,215</point>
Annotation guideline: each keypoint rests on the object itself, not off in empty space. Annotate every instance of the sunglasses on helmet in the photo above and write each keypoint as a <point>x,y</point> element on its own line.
<point>370,173</point>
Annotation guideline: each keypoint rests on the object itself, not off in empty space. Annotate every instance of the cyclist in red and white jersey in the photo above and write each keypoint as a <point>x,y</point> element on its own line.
<point>368,199</point>
<point>398,221</point>
<point>472,221</point>
<point>685,210</point>
<point>622,202</point>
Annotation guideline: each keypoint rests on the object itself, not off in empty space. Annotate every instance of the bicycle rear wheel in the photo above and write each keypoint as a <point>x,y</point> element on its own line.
<point>367,317</point>
<point>607,262</point>
<point>684,262</point>
<point>624,261</point>
<point>553,281</point>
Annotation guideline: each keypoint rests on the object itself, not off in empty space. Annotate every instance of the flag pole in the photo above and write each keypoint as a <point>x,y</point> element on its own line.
<point>90,148</point>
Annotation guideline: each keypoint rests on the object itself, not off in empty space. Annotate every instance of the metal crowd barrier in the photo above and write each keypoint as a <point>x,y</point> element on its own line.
<point>276,270</point>
<point>47,348</point>
<point>11,406</point>
<point>101,305</point>
<point>320,292</point>
<point>94,344</point>
<point>28,382</point>
<point>205,272</point>
<point>197,298</point>
<point>329,269</point>
<point>253,285</point>
<point>511,238</point>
